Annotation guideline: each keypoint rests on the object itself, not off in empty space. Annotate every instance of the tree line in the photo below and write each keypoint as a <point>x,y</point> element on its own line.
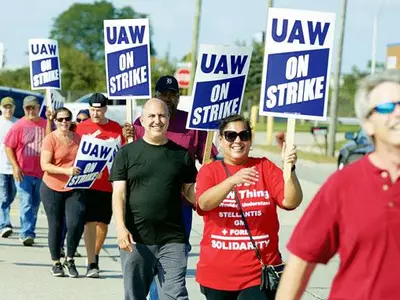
<point>79,31</point>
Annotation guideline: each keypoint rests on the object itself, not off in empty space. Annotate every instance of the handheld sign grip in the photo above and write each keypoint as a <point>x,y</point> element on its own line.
<point>287,167</point>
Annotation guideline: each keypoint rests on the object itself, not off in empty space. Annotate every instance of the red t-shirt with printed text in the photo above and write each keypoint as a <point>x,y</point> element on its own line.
<point>227,258</point>
<point>104,131</point>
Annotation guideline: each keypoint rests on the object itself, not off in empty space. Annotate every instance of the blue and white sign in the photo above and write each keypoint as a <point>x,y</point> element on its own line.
<point>57,101</point>
<point>219,85</point>
<point>44,64</point>
<point>114,152</point>
<point>127,53</point>
<point>93,155</point>
<point>298,50</point>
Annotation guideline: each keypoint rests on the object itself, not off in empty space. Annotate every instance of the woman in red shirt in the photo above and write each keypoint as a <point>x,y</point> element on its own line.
<point>228,266</point>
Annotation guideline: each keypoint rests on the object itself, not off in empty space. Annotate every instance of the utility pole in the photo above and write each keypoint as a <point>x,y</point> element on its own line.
<point>195,43</point>
<point>374,37</point>
<point>336,85</point>
<point>270,119</point>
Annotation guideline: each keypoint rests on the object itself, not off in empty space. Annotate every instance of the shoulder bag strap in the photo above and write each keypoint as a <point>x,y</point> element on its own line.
<point>246,225</point>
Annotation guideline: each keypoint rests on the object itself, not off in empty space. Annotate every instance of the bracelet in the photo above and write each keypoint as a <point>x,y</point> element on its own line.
<point>293,168</point>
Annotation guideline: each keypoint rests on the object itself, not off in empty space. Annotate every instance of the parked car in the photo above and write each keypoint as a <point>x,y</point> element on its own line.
<point>359,144</point>
<point>18,96</point>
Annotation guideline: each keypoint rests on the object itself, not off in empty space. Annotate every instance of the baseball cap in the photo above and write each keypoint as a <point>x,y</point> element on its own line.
<point>7,101</point>
<point>98,100</point>
<point>165,83</point>
<point>30,100</point>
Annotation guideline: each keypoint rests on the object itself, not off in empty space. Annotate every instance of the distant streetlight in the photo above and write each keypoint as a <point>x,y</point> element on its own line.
<point>374,37</point>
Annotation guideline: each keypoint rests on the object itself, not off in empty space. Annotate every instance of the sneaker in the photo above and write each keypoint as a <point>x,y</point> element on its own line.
<point>70,268</point>
<point>92,271</point>
<point>57,270</point>
<point>6,232</point>
<point>28,241</point>
<point>62,252</point>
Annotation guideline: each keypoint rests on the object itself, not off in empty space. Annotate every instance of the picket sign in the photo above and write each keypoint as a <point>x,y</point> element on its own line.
<point>297,55</point>
<point>218,90</point>
<point>127,57</point>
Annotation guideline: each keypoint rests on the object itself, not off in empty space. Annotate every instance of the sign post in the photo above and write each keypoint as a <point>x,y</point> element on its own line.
<point>127,54</point>
<point>218,89</point>
<point>296,71</point>
<point>44,62</point>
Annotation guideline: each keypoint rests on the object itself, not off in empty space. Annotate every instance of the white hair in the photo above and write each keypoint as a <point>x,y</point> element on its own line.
<point>365,86</point>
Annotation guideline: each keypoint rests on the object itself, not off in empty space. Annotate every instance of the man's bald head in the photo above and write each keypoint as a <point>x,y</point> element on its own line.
<point>155,120</point>
<point>154,103</point>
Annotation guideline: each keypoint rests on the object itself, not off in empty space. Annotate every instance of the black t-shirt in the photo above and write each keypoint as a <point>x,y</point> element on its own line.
<point>154,175</point>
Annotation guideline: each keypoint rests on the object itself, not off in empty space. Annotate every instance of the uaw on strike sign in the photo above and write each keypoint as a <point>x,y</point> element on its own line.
<point>220,81</point>
<point>127,52</point>
<point>298,49</point>
<point>44,64</point>
<point>92,157</point>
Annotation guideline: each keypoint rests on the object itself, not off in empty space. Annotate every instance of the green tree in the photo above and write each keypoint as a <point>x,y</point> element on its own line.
<point>81,26</point>
<point>349,86</point>
<point>254,77</point>
<point>19,78</point>
<point>79,72</point>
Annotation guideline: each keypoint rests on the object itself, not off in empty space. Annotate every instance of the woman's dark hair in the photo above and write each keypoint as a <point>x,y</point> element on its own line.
<point>62,109</point>
<point>233,118</point>
<point>84,111</point>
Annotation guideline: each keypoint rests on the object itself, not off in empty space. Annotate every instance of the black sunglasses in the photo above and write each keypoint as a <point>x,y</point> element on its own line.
<point>80,120</point>
<point>231,136</point>
<point>384,108</point>
<point>67,119</point>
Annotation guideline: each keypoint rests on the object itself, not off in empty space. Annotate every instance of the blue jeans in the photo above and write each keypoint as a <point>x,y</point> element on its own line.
<point>29,198</point>
<point>7,195</point>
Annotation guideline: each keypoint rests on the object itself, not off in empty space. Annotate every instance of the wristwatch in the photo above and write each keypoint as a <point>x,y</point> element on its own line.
<point>293,168</point>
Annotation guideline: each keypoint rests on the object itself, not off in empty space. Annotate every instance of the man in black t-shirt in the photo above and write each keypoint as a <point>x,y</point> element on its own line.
<point>148,177</point>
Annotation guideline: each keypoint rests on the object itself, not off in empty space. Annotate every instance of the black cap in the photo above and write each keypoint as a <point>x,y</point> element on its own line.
<point>165,83</point>
<point>98,100</point>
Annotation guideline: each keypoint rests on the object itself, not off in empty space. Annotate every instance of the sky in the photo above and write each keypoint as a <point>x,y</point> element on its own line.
<point>222,22</point>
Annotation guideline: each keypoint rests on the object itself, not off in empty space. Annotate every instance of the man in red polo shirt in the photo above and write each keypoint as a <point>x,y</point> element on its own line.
<point>356,213</point>
<point>98,197</point>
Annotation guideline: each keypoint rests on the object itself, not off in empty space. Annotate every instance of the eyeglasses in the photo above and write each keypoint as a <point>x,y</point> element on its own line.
<point>67,119</point>
<point>384,108</point>
<point>80,120</point>
<point>231,136</point>
<point>30,107</point>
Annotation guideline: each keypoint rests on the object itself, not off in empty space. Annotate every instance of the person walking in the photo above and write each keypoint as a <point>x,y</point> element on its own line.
<point>7,184</point>
<point>98,197</point>
<point>23,143</point>
<point>58,154</point>
<point>167,90</point>
<point>148,178</point>
<point>356,212</point>
<point>238,199</point>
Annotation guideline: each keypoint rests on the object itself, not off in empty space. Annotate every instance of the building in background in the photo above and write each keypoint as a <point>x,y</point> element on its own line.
<point>393,56</point>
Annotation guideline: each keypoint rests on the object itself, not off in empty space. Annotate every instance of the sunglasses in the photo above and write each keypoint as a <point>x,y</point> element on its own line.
<point>30,107</point>
<point>80,120</point>
<point>384,108</point>
<point>67,119</point>
<point>231,136</point>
